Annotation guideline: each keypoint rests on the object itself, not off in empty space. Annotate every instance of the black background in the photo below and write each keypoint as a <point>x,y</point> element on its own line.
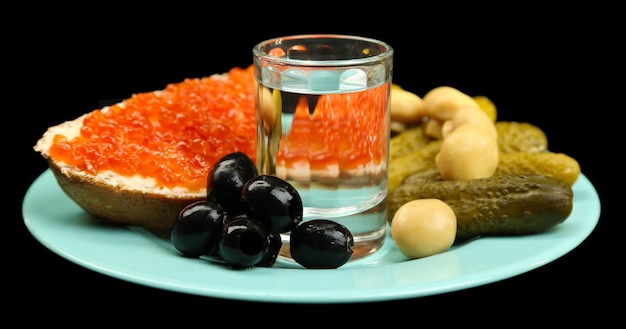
<point>550,68</point>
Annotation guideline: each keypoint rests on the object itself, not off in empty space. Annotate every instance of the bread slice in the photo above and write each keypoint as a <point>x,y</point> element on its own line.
<point>134,201</point>
<point>139,200</point>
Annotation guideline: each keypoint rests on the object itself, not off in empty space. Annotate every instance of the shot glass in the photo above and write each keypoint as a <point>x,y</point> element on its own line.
<point>323,116</point>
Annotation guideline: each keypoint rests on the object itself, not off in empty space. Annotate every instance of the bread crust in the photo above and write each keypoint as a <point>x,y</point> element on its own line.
<point>156,212</point>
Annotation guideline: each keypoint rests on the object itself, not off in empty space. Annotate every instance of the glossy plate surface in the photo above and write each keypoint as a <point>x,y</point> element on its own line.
<point>137,256</point>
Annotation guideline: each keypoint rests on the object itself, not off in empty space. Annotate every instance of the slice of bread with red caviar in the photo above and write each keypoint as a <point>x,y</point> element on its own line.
<point>182,130</point>
<point>125,200</point>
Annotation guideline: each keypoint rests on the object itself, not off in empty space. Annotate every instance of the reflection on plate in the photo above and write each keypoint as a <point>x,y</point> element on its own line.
<point>137,256</point>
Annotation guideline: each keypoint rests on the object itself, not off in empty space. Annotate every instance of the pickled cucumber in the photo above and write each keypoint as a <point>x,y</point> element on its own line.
<point>419,160</point>
<point>412,151</point>
<point>557,165</point>
<point>408,141</point>
<point>520,137</point>
<point>501,205</point>
<point>512,137</point>
<point>487,106</point>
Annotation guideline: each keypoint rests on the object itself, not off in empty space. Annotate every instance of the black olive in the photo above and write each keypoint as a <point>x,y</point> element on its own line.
<point>321,244</point>
<point>226,180</point>
<point>273,202</point>
<point>198,228</point>
<point>244,243</point>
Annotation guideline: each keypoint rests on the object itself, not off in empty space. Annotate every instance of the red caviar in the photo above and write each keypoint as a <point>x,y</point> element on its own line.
<point>174,135</point>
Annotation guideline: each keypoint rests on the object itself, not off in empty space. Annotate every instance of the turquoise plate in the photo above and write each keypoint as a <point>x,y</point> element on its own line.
<point>135,255</point>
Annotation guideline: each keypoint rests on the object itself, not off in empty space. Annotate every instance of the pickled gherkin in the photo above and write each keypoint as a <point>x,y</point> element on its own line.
<point>412,151</point>
<point>512,137</point>
<point>520,137</point>
<point>501,205</point>
<point>487,106</point>
<point>408,141</point>
<point>419,160</point>
<point>557,165</point>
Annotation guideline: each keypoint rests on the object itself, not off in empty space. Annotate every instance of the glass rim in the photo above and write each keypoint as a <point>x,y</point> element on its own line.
<point>260,54</point>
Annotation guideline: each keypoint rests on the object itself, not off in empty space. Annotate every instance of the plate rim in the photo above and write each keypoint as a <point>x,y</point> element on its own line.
<point>357,268</point>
